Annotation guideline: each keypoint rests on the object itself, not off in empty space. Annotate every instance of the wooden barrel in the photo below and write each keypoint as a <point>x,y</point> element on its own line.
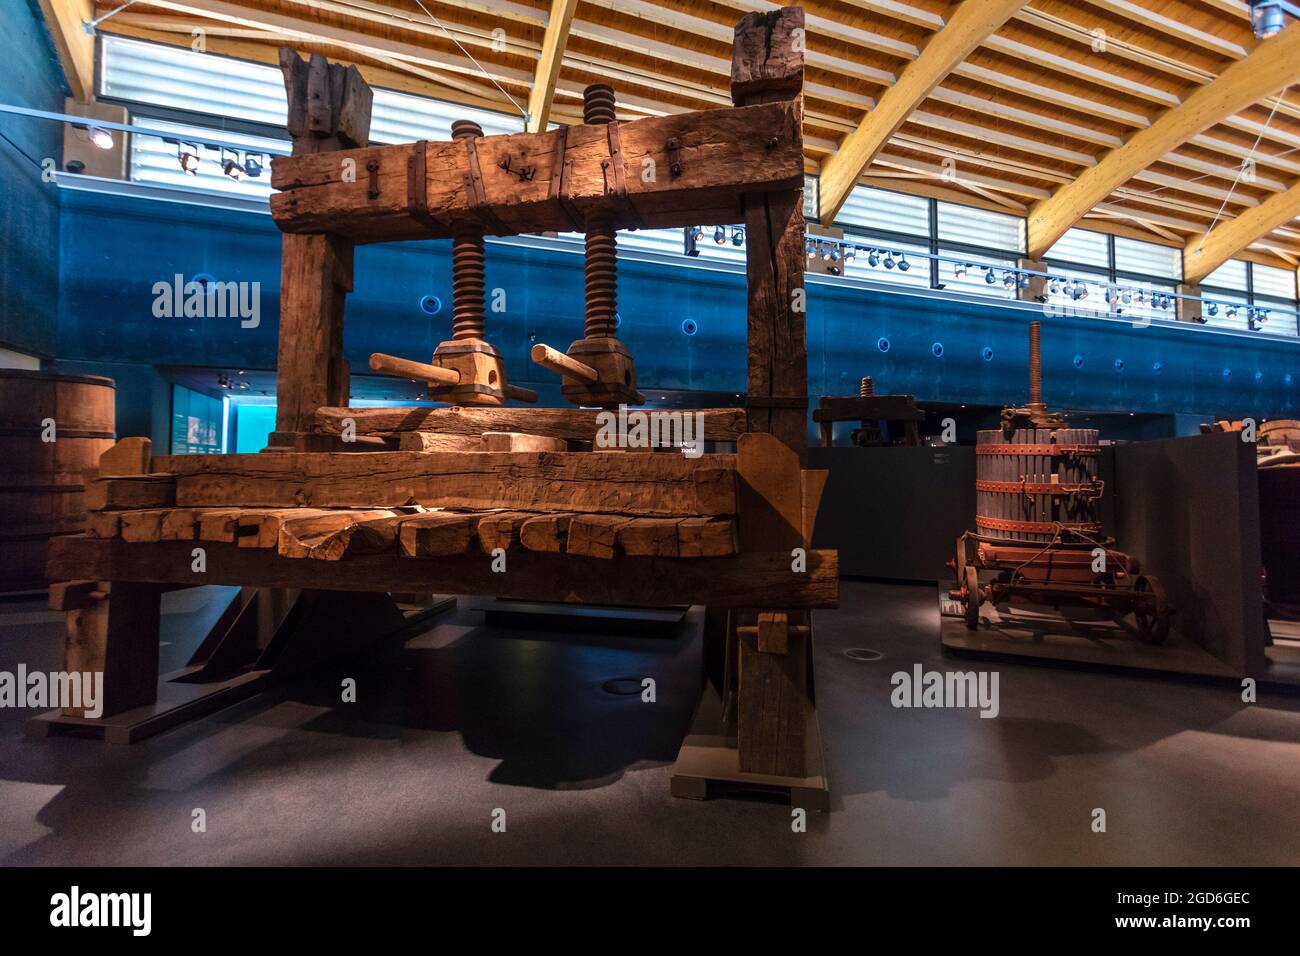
<point>41,482</point>
<point>1036,479</point>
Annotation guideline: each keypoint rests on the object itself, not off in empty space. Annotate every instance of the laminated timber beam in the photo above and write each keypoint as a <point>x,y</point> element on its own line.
<point>750,579</point>
<point>1205,253</point>
<point>1273,65</point>
<point>661,172</point>
<point>66,20</point>
<point>554,41</point>
<point>969,26</point>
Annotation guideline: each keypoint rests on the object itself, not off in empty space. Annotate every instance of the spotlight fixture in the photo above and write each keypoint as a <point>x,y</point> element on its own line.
<point>1127,296</point>
<point>1054,286</point>
<point>959,270</point>
<point>1008,280</point>
<point>889,261</point>
<point>990,276</point>
<point>1213,309</point>
<point>810,248</point>
<point>873,258</point>
<point>187,154</point>
<point>697,232</point>
<point>1080,291</point>
<point>720,235</point>
<point>231,166</point>
<point>100,137</point>
<point>252,166</point>
<point>850,254</point>
<point>903,264</point>
<point>1268,17</point>
<point>835,253</point>
<point>1231,312</point>
<point>1022,280</point>
<point>826,252</point>
<point>738,237</point>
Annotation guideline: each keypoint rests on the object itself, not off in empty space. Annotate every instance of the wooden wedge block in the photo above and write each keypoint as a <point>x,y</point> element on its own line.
<point>219,524</point>
<point>650,537</point>
<point>261,529</point>
<point>308,535</point>
<point>595,535</point>
<point>501,530</point>
<point>545,532</point>
<point>180,524</point>
<point>520,441</point>
<point>438,533</point>
<point>103,524</point>
<point>706,538</point>
<point>437,441</point>
<point>141,526</point>
<point>130,456</point>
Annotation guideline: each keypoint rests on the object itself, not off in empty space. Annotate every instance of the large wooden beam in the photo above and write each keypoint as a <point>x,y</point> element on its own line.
<point>1274,64</point>
<point>574,424</point>
<point>684,169</point>
<point>315,278</point>
<point>1205,253</point>
<point>75,47</point>
<point>768,67</point>
<point>743,580</point>
<point>646,484</point>
<point>548,64</point>
<point>966,29</point>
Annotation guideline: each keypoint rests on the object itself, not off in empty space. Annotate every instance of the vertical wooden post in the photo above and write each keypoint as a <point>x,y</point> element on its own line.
<point>315,278</point>
<point>767,65</point>
<point>113,630</point>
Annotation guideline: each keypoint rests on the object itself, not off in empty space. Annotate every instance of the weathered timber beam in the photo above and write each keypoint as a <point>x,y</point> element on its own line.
<point>574,424</point>
<point>746,580</point>
<point>646,484</point>
<point>675,170</point>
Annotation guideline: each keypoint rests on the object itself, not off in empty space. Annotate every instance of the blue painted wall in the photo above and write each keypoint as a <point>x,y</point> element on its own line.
<point>115,249</point>
<point>29,208</point>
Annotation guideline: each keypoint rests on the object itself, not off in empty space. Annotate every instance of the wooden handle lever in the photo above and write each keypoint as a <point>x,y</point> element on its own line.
<point>547,357</point>
<point>520,393</point>
<point>405,368</point>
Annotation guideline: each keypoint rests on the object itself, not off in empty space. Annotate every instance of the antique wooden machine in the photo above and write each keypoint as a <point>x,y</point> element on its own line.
<point>482,497</point>
<point>899,414</point>
<point>1038,534</point>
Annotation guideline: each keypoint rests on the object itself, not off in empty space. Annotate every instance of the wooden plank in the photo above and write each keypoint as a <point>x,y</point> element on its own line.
<point>562,481</point>
<point>116,633</point>
<point>262,529</point>
<point>130,492</point>
<point>547,532</point>
<point>219,524</point>
<point>103,524</point>
<point>315,278</point>
<point>769,494</point>
<point>755,579</point>
<point>180,524</point>
<point>438,533</point>
<point>767,55</point>
<point>719,155</point>
<point>554,40</point>
<point>773,631</point>
<point>67,595</point>
<point>573,424</point>
<point>771,706</point>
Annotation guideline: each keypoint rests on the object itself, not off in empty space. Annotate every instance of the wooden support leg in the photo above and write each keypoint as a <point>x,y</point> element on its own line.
<point>715,648</point>
<point>315,278</point>
<point>113,630</point>
<point>772,706</point>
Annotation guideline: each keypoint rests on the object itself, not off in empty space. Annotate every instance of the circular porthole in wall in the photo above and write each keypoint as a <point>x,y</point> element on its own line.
<point>1078,361</point>
<point>430,305</point>
<point>937,350</point>
<point>690,326</point>
<point>986,354</point>
<point>882,343</point>
<point>1119,365</point>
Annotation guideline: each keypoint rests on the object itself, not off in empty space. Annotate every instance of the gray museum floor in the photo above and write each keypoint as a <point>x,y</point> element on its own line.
<point>465,720</point>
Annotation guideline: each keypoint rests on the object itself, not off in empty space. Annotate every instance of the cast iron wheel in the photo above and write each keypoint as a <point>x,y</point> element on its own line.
<point>972,587</point>
<point>1153,625</point>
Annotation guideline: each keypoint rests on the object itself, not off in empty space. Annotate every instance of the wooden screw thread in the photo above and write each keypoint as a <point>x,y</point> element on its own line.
<point>1035,364</point>
<point>468,275</point>
<point>601,276</point>
<point>598,104</point>
<point>866,388</point>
